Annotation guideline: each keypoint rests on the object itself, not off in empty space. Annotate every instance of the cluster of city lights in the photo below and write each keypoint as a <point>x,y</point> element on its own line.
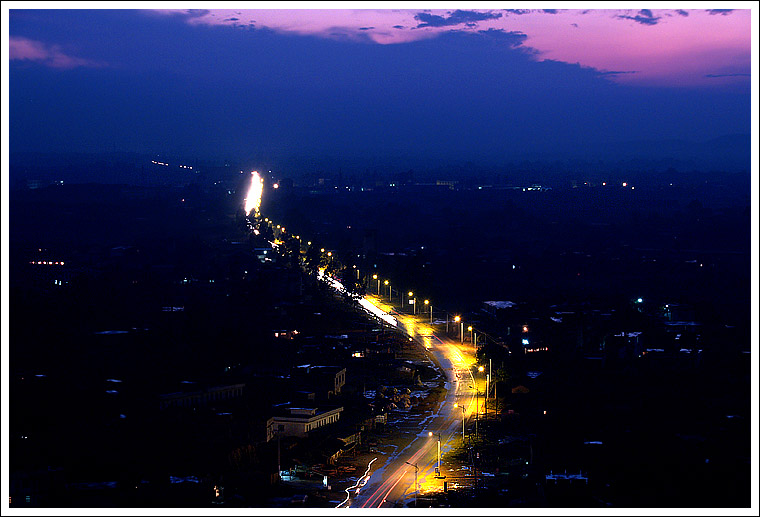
<point>166,164</point>
<point>47,262</point>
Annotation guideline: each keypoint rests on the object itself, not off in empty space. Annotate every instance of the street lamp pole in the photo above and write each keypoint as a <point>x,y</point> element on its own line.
<point>414,302</point>
<point>438,469</point>
<point>480,369</point>
<point>427,302</point>
<point>461,332</point>
<point>488,391</point>
<point>463,418</point>
<point>415,481</point>
<point>374,277</point>
<point>470,329</point>
<point>389,289</point>
<point>477,410</point>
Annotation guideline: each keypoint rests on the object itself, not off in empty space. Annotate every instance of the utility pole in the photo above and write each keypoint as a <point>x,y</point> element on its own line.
<point>477,410</point>
<point>490,376</point>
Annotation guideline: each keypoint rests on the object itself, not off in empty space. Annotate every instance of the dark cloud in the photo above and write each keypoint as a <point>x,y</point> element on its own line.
<point>682,12</point>
<point>513,38</point>
<point>644,17</point>
<point>517,11</point>
<point>398,26</point>
<point>549,11</point>
<point>365,28</point>
<point>617,72</point>
<point>456,18</point>
<point>728,75</point>
<point>231,19</point>
<point>574,25</point>
<point>719,11</point>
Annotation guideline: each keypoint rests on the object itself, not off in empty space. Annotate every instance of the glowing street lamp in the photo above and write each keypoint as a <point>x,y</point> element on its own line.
<point>427,302</point>
<point>469,327</point>
<point>374,277</point>
<point>389,289</point>
<point>414,302</point>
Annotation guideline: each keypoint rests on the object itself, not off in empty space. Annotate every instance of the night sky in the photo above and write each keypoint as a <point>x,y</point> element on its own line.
<point>362,83</point>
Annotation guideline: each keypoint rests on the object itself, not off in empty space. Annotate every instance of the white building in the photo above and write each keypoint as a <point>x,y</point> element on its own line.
<point>299,421</point>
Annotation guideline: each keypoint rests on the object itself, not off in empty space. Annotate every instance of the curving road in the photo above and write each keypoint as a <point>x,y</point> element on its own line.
<point>392,484</point>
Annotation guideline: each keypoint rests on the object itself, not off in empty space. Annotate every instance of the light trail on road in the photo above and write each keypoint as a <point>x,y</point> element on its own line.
<point>253,199</point>
<point>379,496</point>
<point>358,485</point>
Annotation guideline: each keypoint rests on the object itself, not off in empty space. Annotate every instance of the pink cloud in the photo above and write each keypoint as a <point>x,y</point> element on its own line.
<point>24,49</point>
<point>663,47</point>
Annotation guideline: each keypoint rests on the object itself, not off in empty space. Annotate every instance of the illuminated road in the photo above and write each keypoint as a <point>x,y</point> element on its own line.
<point>392,484</point>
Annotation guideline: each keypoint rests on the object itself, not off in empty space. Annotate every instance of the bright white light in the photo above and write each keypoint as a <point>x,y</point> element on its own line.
<point>253,200</point>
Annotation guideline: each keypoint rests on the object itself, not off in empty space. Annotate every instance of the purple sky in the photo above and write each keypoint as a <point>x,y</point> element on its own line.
<point>369,82</point>
<point>662,46</point>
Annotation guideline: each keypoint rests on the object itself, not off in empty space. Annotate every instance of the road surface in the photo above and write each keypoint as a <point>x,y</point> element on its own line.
<point>392,484</point>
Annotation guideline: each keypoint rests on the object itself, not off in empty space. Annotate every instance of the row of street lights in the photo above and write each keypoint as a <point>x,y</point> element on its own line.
<point>390,295</point>
<point>473,339</point>
<point>413,299</point>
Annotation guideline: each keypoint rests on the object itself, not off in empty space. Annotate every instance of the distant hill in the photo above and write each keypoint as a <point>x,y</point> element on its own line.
<point>725,153</point>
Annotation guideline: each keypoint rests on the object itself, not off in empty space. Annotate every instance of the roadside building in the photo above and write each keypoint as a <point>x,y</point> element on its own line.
<point>299,422</point>
<point>327,381</point>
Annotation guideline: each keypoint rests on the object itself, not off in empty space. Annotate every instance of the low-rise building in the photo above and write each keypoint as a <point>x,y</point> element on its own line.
<point>200,398</point>
<point>300,421</point>
<point>327,380</point>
